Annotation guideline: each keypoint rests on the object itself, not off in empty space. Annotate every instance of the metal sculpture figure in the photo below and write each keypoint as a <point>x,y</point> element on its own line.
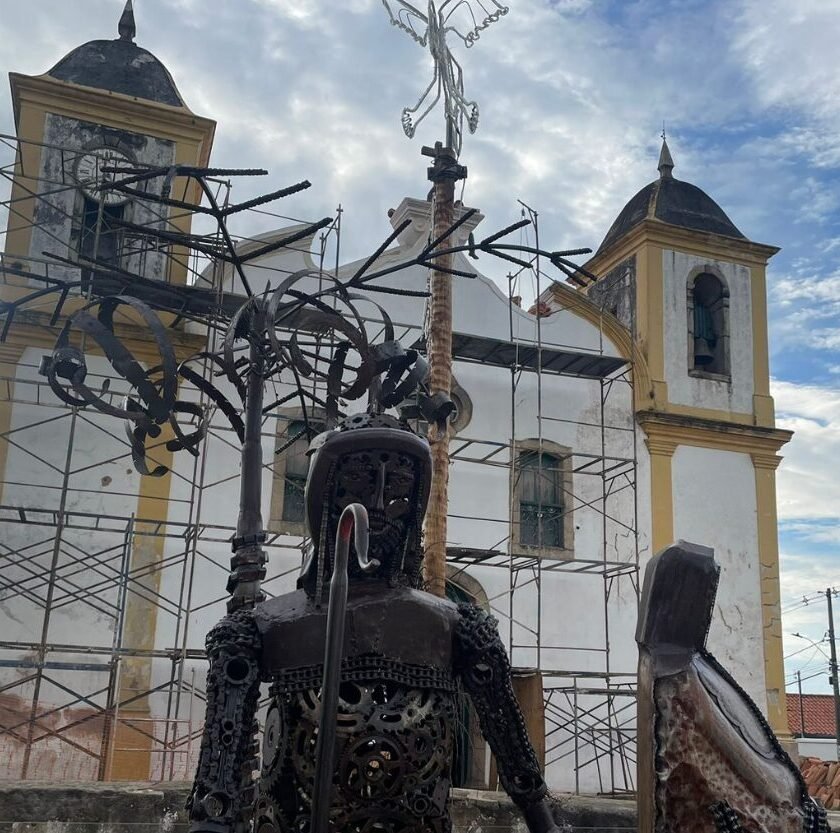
<point>708,761</point>
<point>458,18</point>
<point>398,668</point>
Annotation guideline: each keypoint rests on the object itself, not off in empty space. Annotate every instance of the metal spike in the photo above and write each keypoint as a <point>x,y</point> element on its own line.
<point>127,27</point>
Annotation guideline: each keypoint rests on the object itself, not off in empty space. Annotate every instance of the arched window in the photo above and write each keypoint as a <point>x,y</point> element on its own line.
<point>708,325</point>
<point>100,233</point>
<point>540,500</point>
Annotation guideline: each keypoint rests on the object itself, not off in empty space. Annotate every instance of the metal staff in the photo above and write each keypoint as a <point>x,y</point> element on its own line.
<point>354,519</point>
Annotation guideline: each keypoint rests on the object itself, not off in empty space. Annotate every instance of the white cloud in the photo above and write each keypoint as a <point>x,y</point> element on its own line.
<point>808,486</point>
<point>787,49</point>
<point>571,101</point>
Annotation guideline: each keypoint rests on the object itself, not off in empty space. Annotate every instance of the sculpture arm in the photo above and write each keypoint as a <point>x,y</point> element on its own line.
<point>222,796</point>
<point>484,669</point>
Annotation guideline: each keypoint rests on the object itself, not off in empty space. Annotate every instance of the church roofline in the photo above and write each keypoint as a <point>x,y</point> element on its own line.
<point>651,230</point>
<point>129,112</point>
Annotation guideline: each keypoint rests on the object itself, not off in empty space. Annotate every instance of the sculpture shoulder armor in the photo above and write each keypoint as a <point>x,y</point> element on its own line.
<point>398,623</point>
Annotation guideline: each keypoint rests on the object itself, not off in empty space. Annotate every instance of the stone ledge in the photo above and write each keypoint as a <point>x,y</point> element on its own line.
<point>123,807</point>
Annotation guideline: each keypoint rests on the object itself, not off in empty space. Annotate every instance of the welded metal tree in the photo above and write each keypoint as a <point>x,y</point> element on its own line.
<point>307,329</point>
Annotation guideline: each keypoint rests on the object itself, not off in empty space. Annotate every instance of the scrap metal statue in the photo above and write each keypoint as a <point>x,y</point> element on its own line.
<point>398,668</point>
<point>708,761</point>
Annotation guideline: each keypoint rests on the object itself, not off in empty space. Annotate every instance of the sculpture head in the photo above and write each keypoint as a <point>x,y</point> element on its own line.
<point>375,460</point>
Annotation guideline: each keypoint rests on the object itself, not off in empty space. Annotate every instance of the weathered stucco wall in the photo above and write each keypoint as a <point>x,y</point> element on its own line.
<point>714,504</point>
<point>101,480</point>
<point>57,212</point>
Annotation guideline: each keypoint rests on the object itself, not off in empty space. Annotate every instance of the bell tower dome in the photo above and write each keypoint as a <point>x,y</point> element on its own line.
<point>691,288</point>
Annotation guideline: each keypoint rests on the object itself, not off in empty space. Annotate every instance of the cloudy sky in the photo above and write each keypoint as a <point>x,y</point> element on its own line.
<point>573,96</point>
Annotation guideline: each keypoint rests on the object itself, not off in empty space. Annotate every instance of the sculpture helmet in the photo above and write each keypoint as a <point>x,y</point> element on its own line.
<point>378,461</point>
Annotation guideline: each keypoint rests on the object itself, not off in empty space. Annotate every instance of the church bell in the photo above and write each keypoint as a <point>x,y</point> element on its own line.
<point>702,352</point>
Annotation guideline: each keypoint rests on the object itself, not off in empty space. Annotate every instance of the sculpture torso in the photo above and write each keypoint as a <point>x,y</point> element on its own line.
<point>395,733</point>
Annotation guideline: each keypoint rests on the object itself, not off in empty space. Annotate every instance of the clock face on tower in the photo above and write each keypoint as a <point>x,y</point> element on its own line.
<point>91,177</point>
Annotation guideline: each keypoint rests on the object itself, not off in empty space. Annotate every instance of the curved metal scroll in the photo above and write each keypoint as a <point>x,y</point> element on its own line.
<point>291,330</point>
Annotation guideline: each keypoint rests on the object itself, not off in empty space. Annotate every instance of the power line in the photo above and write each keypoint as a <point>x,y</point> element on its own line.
<point>812,644</point>
<point>809,677</point>
<point>806,600</point>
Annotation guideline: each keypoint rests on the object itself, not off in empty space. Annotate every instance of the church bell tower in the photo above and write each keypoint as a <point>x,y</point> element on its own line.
<point>107,104</point>
<point>691,288</point>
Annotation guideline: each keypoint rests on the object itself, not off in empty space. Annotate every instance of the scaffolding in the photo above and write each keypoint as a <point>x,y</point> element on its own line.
<point>106,593</point>
<point>590,712</point>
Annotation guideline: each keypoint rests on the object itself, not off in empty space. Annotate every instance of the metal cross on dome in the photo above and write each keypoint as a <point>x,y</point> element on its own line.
<point>465,19</point>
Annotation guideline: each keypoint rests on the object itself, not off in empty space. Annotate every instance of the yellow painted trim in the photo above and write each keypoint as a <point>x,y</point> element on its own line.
<point>33,330</point>
<point>704,244</point>
<point>114,109</point>
<point>761,351</point>
<point>743,439</point>
<point>9,357</point>
<point>30,132</point>
<point>661,492</point>
<point>130,757</point>
<point>35,97</point>
<point>642,311</point>
<point>655,280</point>
<point>736,417</point>
<point>771,606</point>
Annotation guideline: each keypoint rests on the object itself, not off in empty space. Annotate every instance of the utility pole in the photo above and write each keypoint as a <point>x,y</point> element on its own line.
<point>833,666</point>
<point>430,30</point>
<point>801,705</point>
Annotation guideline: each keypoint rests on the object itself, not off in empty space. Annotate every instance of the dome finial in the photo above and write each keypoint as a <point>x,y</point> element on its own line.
<point>127,27</point>
<point>666,163</point>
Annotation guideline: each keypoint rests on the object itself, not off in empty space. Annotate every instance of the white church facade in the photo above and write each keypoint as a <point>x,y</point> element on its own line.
<point>617,416</point>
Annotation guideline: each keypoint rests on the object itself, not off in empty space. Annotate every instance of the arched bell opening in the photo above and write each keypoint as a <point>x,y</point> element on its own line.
<point>708,325</point>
